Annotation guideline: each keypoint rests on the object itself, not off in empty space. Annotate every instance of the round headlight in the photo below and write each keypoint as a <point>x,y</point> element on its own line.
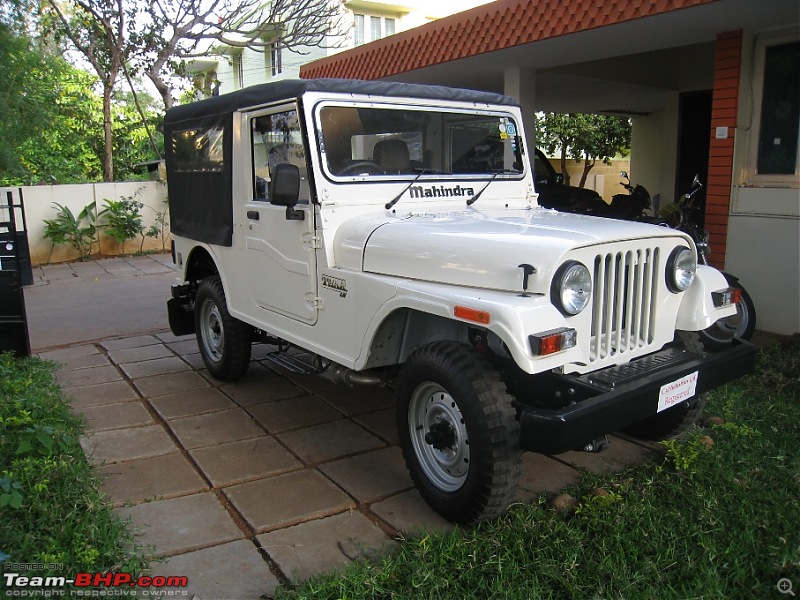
<point>572,288</point>
<point>681,267</point>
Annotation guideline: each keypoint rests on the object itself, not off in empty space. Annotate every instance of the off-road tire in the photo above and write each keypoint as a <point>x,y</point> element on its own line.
<point>448,386</point>
<point>741,325</point>
<point>224,341</point>
<point>673,421</point>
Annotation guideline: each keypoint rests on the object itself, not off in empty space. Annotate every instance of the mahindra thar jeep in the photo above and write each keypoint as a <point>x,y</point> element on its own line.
<point>381,233</point>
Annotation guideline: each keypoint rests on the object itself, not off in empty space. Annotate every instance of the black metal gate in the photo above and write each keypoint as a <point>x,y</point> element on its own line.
<point>15,271</point>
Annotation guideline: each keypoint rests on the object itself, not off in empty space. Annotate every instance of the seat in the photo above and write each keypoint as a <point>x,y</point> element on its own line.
<point>392,156</point>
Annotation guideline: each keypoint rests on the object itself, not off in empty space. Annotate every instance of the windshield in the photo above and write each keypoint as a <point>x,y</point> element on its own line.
<point>406,142</point>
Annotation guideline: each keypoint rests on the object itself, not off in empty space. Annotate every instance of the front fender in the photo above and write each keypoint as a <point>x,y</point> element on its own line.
<point>697,310</point>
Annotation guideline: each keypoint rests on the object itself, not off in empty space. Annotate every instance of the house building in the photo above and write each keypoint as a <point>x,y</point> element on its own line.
<point>227,69</point>
<point>712,86</point>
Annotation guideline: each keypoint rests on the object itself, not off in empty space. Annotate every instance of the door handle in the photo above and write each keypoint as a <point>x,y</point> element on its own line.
<point>252,214</point>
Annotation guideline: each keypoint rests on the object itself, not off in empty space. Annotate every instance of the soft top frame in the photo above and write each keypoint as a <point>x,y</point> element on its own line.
<point>267,93</point>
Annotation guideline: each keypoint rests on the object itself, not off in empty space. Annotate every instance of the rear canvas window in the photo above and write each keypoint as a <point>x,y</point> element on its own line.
<point>198,150</point>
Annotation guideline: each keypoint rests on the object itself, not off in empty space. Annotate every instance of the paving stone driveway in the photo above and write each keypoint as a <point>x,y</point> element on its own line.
<point>272,479</point>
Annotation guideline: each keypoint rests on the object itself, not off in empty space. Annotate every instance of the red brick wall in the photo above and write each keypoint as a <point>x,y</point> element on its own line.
<point>725,104</point>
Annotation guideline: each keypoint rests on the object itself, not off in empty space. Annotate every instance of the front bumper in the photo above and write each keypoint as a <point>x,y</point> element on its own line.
<point>616,397</point>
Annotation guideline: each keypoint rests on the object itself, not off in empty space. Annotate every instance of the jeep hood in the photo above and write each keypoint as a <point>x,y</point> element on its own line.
<point>480,249</point>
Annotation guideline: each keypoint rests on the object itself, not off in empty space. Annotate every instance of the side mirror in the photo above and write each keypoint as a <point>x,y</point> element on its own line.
<point>284,190</point>
<point>623,174</point>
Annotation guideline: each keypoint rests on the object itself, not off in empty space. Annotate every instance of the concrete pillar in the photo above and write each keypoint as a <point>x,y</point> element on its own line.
<point>520,84</point>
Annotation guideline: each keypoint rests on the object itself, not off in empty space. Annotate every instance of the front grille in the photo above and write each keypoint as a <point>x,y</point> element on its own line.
<point>624,300</point>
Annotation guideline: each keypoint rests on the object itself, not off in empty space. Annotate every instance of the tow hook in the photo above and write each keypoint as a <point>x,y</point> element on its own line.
<point>597,445</point>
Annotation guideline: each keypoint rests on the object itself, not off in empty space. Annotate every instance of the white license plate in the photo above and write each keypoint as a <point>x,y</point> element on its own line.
<point>676,392</point>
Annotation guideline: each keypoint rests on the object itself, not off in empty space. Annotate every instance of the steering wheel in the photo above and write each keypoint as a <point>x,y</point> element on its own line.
<point>362,166</point>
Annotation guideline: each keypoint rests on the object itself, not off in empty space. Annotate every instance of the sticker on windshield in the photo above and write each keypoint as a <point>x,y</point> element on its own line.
<point>511,129</point>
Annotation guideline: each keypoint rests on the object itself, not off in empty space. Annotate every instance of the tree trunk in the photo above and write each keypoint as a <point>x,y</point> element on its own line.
<point>587,166</point>
<point>108,139</point>
<point>564,171</point>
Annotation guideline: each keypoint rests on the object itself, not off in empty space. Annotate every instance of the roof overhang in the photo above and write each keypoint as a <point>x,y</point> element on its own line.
<point>574,47</point>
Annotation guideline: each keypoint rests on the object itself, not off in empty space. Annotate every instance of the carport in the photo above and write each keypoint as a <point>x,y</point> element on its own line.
<point>690,74</point>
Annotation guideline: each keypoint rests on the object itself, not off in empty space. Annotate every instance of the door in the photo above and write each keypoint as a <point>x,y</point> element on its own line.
<point>280,253</point>
<point>694,140</point>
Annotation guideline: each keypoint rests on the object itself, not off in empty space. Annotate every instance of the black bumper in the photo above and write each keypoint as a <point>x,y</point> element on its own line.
<point>617,397</point>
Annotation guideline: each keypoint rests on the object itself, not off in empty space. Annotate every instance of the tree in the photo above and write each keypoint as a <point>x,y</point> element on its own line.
<point>585,138</point>
<point>98,29</point>
<point>169,33</point>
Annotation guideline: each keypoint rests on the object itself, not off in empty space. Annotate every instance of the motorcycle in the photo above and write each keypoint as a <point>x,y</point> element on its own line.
<point>741,325</point>
<point>632,206</point>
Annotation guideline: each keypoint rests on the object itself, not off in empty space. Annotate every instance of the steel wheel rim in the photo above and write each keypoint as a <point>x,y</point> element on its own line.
<point>447,468</point>
<point>212,331</point>
<point>726,329</point>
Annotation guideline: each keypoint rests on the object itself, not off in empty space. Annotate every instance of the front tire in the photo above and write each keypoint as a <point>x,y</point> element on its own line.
<point>459,432</point>
<point>224,341</point>
<point>741,325</point>
<point>673,421</point>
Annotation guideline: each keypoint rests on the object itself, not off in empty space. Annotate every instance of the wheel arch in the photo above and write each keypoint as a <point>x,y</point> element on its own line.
<point>405,329</point>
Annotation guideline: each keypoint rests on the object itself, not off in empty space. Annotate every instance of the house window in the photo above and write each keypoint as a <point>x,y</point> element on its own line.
<point>358,30</point>
<point>238,71</point>
<point>379,27</point>
<point>276,58</point>
<point>774,149</point>
<point>780,110</point>
<point>375,28</point>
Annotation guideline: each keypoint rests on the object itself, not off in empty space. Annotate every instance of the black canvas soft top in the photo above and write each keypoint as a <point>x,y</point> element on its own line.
<point>293,88</point>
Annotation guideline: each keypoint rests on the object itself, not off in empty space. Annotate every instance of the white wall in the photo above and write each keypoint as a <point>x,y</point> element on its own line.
<point>39,206</point>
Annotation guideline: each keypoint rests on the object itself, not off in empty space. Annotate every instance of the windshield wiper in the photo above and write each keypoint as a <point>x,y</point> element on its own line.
<point>422,172</point>
<point>474,198</point>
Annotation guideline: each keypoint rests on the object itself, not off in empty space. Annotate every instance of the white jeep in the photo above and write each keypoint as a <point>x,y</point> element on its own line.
<point>391,232</point>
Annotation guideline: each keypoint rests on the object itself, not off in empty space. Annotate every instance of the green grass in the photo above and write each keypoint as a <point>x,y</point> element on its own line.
<point>51,510</point>
<point>698,522</point>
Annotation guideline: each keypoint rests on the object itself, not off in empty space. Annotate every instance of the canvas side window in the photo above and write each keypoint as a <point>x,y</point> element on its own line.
<point>198,150</point>
<point>276,138</point>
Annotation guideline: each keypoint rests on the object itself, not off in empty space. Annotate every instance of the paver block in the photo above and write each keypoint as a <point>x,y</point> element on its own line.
<point>358,400</point>
<point>235,462</point>
<point>266,389</point>
<point>130,355</point>
<point>619,455</point>
<point>196,402</point>
<point>293,413</point>
<point>63,354</point>
<point>329,441</point>
<point>287,499</point>
<point>129,342</point>
<point>115,416</point>
<point>183,346</point>
<point>370,476</point>
<point>408,512</point>
<point>149,478</point>
<point>382,423</point>
<point>544,474</point>
<point>158,366</point>
<point>88,376</point>
<point>182,524</point>
<point>168,337</point>
<point>127,444</point>
<point>215,428</point>
<point>104,393</point>
<point>308,549</point>
<point>171,383</point>
<point>231,570</point>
